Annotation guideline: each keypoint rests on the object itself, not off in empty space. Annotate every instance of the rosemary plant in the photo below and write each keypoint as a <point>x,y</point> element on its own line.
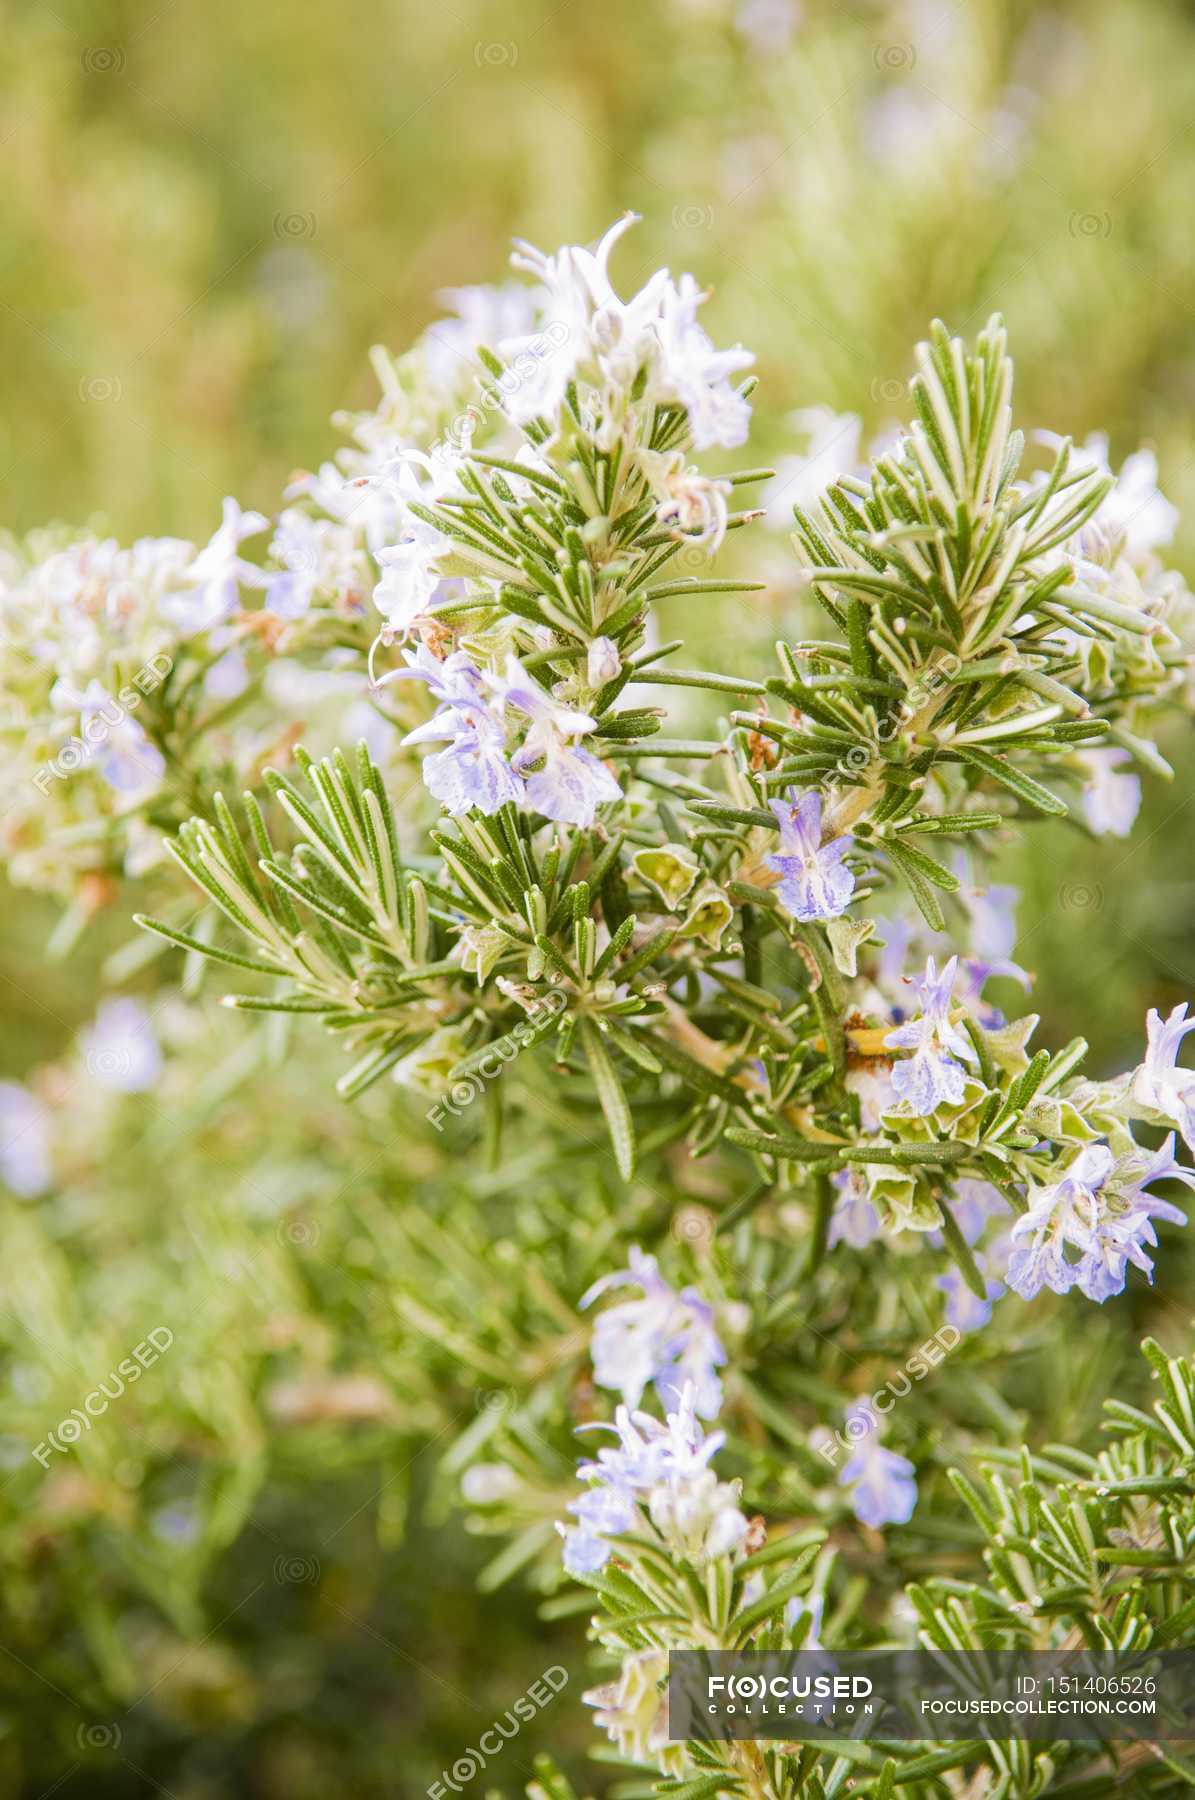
<point>726,935</point>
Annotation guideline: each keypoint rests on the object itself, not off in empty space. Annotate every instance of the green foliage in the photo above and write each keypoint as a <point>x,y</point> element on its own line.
<point>265,1549</point>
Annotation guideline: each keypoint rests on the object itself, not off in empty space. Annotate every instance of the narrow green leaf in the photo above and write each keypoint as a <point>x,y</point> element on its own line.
<point>1015,780</point>
<point>610,1094</point>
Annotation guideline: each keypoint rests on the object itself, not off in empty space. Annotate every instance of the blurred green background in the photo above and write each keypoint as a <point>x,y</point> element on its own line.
<point>209,216</point>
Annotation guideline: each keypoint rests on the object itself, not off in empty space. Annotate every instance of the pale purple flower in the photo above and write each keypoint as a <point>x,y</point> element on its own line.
<point>667,1338</point>
<point>965,1310</point>
<point>178,1524</point>
<point>932,1076</point>
<point>569,784</point>
<point>1061,1214</point>
<point>854,1220</point>
<point>814,883</point>
<point>602,1511</point>
<point>1125,1226</point>
<point>289,590</point>
<point>1159,1084</point>
<point>884,1485</point>
<point>120,1047</point>
<point>1135,1173</point>
<point>768,25</point>
<point>24,1140</point>
<point>973,1204</point>
<point>1111,800</point>
<point>992,932</point>
<point>228,675</point>
<point>473,770</point>
<point>111,738</point>
<point>1101,1209</point>
<point>217,574</point>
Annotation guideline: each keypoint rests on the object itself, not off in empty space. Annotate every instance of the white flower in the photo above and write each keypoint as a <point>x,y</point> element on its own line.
<point>317,556</point>
<point>695,375</point>
<point>833,451</point>
<point>217,574</point>
<point>633,1711</point>
<point>410,572</point>
<point>485,317</point>
<point>1159,1084</point>
<point>590,331</point>
<point>1136,511</point>
<point>696,504</point>
<point>587,320</point>
<point>603,662</point>
<point>700,1520</point>
<point>871,1082</point>
<point>1111,799</point>
<point>484,1484</point>
<point>361,502</point>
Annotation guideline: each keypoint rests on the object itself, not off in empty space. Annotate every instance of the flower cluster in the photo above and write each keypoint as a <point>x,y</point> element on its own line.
<point>664,1470</point>
<point>1101,1208</point>
<point>644,352</point>
<point>117,656</point>
<point>752,933</point>
<point>549,772</point>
